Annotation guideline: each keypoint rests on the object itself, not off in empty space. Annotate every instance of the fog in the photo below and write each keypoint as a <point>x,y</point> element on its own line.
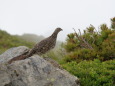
<point>41,17</point>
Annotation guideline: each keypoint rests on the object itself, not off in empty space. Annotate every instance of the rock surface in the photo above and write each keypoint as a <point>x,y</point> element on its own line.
<point>33,71</point>
<point>13,52</point>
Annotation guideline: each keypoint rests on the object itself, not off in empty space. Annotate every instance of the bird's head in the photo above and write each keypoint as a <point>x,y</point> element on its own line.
<point>58,29</point>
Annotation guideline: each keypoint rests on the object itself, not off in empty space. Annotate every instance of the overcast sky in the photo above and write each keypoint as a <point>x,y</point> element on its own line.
<point>41,17</point>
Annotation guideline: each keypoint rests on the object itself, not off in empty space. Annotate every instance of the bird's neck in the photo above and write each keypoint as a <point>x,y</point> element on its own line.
<point>54,35</point>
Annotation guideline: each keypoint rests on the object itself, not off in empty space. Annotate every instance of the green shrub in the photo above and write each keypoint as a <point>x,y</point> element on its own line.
<point>83,54</point>
<point>93,73</point>
<point>91,44</point>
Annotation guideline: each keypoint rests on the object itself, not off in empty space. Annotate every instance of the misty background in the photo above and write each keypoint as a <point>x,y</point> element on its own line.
<point>41,17</point>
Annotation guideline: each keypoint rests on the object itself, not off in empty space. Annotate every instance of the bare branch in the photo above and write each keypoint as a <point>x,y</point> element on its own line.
<point>83,42</point>
<point>76,34</point>
<point>79,32</point>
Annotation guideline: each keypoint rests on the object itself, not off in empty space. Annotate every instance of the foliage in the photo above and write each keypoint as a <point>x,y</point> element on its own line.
<point>113,23</point>
<point>93,73</point>
<point>91,55</point>
<point>7,41</point>
<point>92,44</point>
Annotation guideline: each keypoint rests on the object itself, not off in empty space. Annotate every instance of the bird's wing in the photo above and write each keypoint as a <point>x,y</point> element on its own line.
<point>41,44</point>
<point>38,47</point>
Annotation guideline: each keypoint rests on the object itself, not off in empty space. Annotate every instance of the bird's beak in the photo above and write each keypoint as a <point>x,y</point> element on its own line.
<point>61,29</point>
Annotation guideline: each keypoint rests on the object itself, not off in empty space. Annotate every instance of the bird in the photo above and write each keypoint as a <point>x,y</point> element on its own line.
<point>40,48</point>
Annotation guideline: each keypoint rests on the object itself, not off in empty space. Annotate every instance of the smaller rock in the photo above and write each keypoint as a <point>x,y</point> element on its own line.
<point>13,52</point>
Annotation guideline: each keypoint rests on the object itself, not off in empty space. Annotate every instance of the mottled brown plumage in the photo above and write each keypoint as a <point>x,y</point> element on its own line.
<point>41,47</point>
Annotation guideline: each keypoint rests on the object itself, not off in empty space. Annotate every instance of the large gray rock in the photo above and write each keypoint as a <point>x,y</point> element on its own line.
<point>33,71</point>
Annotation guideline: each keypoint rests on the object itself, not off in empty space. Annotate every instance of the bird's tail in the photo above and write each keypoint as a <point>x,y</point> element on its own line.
<point>20,57</point>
